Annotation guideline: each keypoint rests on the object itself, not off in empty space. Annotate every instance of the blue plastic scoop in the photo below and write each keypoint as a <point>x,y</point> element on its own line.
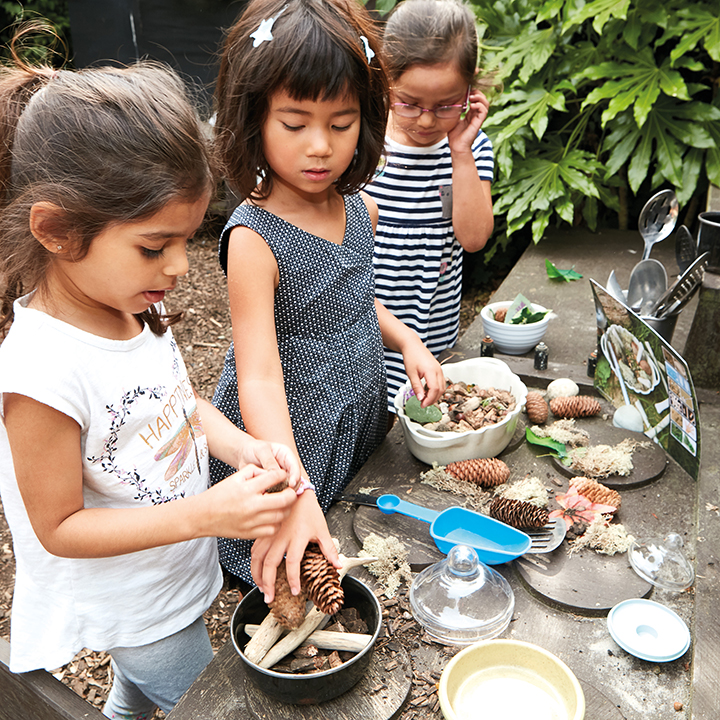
<point>494,541</point>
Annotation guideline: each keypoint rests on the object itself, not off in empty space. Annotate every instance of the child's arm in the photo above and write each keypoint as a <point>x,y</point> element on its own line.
<point>252,280</point>
<point>472,214</point>
<point>423,370</point>
<point>51,485</point>
<point>235,447</point>
<point>420,363</point>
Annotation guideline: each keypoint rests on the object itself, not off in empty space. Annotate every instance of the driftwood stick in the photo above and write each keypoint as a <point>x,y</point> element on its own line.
<point>329,639</point>
<point>267,634</point>
<point>312,621</point>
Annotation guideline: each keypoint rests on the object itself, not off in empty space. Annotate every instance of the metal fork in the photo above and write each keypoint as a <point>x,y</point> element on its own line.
<point>546,538</point>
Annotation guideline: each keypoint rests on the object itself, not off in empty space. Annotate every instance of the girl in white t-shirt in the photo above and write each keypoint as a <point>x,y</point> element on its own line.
<point>104,176</point>
<point>433,185</point>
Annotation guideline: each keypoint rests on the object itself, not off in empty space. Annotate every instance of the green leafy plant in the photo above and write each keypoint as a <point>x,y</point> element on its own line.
<point>603,102</point>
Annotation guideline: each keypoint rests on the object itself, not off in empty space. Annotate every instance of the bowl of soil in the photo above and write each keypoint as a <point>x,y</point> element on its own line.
<point>514,338</point>
<point>443,443</point>
<point>292,681</point>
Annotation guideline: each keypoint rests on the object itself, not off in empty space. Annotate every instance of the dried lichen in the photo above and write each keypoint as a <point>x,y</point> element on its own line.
<point>604,538</point>
<point>529,489</point>
<point>473,495</point>
<point>601,461</point>
<point>565,432</point>
<point>392,568</point>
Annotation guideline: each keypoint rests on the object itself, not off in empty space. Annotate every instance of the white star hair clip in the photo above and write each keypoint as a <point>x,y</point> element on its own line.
<point>264,31</point>
<point>369,53</point>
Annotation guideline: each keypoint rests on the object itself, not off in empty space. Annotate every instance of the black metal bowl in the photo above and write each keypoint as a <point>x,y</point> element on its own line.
<point>316,687</point>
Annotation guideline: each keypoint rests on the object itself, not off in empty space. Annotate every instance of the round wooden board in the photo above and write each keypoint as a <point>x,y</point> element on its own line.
<point>649,462</point>
<point>585,581</point>
<point>378,695</point>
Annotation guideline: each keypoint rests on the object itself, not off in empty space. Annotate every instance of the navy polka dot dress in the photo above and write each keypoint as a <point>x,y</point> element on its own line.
<point>330,348</point>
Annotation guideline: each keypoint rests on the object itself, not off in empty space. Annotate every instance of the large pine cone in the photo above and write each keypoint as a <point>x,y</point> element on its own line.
<point>288,609</point>
<point>487,472</point>
<point>596,492</point>
<point>575,407</point>
<point>518,513</point>
<point>536,408</point>
<point>321,581</point>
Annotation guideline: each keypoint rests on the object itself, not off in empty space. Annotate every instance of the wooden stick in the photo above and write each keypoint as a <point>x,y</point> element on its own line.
<point>312,621</point>
<point>329,639</point>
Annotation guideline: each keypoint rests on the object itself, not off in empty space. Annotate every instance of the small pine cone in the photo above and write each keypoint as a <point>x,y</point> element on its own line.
<point>518,513</point>
<point>487,472</point>
<point>288,609</point>
<point>536,408</point>
<point>596,492</point>
<point>575,407</point>
<point>321,581</point>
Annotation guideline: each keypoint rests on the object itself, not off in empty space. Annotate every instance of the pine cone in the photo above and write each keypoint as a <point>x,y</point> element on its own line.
<point>321,581</point>
<point>487,472</point>
<point>536,408</point>
<point>518,513</point>
<point>289,609</point>
<point>596,492</point>
<point>575,407</point>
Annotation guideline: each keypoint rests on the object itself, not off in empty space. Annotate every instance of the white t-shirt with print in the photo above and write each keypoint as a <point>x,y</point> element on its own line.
<point>142,444</point>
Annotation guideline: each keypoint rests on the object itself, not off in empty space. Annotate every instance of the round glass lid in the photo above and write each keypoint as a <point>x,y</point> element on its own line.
<point>662,563</point>
<point>460,600</point>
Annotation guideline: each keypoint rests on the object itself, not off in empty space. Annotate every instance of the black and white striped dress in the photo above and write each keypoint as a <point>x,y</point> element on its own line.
<point>330,348</point>
<point>418,261</point>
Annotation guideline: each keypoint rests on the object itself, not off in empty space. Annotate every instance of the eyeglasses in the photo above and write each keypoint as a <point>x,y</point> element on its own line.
<point>444,112</point>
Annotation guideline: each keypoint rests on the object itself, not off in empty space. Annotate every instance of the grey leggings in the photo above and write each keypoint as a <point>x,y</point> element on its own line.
<point>157,674</point>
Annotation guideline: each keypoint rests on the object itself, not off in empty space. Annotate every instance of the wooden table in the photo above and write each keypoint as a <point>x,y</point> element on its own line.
<point>616,684</point>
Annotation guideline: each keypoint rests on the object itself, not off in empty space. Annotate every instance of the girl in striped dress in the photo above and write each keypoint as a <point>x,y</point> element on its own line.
<point>433,185</point>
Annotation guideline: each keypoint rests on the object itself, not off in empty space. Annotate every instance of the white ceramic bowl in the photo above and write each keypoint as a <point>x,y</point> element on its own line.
<point>509,679</point>
<point>513,339</point>
<point>446,447</point>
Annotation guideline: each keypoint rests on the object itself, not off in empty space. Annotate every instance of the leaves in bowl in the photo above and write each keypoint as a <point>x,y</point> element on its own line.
<point>521,312</point>
<point>419,414</point>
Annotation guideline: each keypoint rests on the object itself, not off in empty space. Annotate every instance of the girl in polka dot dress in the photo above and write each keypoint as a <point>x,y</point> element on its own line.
<point>302,109</point>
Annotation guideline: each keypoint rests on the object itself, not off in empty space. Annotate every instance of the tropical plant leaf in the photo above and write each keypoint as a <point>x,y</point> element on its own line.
<point>599,11</point>
<point>556,273</point>
<point>556,448</point>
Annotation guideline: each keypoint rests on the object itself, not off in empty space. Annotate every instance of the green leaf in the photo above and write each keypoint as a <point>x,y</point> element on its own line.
<point>599,11</point>
<point>416,412</point>
<point>556,448</point>
<point>556,273</point>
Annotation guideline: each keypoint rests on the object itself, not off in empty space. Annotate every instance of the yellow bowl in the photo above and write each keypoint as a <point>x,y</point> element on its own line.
<point>509,679</point>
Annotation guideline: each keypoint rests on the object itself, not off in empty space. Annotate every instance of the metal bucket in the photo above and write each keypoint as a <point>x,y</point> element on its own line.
<point>709,239</point>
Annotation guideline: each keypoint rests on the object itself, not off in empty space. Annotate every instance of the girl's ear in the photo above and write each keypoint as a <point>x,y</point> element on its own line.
<point>48,225</point>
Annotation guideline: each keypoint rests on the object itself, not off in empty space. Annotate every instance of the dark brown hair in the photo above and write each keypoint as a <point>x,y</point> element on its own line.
<point>430,32</point>
<point>316,53</point>
<point>106,145</point>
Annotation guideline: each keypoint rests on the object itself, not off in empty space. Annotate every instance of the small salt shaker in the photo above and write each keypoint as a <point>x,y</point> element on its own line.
<point>592,364</point>
<point>487,347</point>
<point>541,356</point>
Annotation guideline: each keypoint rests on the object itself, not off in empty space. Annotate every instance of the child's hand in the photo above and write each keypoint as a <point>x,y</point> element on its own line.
<point>462,136</point>
<point>424,372</point>
<point>271,456</point>
<point>240,506</point>
<point>306,523</point>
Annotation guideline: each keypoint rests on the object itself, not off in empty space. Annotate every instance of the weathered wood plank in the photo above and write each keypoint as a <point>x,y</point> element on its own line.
<point>38,695</point>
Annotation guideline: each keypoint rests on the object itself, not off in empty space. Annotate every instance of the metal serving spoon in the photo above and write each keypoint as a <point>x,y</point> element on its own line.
<point>657,219</point>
